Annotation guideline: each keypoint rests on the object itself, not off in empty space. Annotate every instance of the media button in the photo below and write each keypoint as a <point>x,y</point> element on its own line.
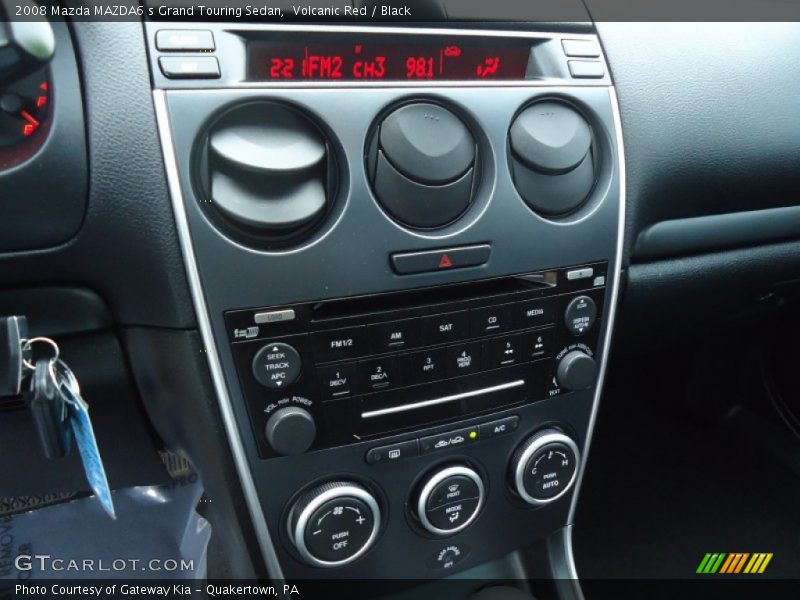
<point>448,327</point>
<point>533,313</point>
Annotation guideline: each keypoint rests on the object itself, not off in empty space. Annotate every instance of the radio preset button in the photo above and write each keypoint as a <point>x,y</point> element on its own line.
<point>396,335</point>
<point>339,344</point>
<point>378,373</point>
<point>423,366</point>
<point>536,344</point>
<point>503,352</point>
<point>492,319</point>
<point>338,381</point>
<point>448,327</point>
<point>276,365</point>
<point>463,359</point>
<point>532,313</point>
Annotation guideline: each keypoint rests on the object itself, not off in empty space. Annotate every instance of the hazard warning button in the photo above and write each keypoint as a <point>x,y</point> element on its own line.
<point>406,263</point>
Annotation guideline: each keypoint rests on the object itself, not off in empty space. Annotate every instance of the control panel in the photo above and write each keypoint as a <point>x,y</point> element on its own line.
<point>331,373</point>
<point>403,245</point>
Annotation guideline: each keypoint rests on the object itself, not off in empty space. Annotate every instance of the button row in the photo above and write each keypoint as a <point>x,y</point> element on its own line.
<point>424,366</point>
<point>442,441</point>
<point>352,342</point>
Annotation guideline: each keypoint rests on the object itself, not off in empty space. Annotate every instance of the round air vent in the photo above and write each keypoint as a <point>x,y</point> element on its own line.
<point>551,157</point>
<point>267,173</point>
<point>422,162</point>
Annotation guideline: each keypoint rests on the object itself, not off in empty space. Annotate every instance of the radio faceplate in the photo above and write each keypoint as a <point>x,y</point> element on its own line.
<point>364,367</point>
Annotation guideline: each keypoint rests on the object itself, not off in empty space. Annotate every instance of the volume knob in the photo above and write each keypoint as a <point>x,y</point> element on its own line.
<point>290,430</point>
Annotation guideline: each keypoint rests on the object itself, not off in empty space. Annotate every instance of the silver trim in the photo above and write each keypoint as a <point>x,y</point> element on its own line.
<point>274,316</point>
<point>540,441</point>
<point>297,534</point>
<point>444,399</point>
<point>612,308</point>
<point>204,323</point>
<point>435,480</point>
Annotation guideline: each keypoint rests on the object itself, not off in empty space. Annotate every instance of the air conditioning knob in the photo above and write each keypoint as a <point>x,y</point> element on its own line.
<point>334,523</point>
<point>552,162</point>
<point>544,467</point>
<point>449,500</point>
<point>422,165</point>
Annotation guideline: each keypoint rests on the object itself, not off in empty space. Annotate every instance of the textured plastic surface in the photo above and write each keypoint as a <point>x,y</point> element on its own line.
<point>550,137</point>
<point>554,194</point>
<point>427,143</point>
<point>417,204</point>
<point>153,524</point>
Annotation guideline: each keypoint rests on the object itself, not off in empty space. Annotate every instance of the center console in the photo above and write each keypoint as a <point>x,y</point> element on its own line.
<point>404,247</point>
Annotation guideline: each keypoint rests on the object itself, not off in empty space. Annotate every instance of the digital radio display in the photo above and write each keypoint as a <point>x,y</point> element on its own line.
<point>387,59</point>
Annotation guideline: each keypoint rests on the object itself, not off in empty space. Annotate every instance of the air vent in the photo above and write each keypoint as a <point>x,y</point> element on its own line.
<point>551,157</point>
<point>422,164</point>
<point>267,174</point>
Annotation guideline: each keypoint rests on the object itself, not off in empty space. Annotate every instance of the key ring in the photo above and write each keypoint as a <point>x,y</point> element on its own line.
<point>28,345</point>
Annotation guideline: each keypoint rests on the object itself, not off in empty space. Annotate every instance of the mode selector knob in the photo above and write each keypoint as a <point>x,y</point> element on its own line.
<point>334,523</point>
<point>450,500</point>
<point>576,371</point>
<point>544,467</point>
<point>290,430</point>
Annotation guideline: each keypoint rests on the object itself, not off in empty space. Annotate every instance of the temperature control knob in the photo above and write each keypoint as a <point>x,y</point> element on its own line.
<point>450,500</point>
<point>544,467</point>
<point>334,523</point>
<point>576,371</point>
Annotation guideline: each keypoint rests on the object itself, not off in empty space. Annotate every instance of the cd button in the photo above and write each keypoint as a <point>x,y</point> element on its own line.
<point>492,319</point>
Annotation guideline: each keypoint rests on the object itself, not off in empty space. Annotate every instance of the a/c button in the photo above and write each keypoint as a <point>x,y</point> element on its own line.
<point>499,427</point>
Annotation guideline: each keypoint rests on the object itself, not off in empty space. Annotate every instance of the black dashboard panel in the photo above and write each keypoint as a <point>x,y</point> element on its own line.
<point>292,317</point>
<point>709,117</point>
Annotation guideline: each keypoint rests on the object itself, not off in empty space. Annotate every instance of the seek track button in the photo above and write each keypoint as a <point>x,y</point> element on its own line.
<point>276,365</point>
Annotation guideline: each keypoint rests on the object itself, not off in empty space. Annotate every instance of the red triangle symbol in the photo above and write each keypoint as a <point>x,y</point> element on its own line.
<point>445,262</point>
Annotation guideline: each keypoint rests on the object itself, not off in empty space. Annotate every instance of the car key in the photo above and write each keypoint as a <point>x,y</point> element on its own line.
<point>80,424</point>
<point>49,412</point>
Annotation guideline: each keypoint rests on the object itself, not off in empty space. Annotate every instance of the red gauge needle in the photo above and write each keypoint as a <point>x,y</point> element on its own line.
<point>29,118</point>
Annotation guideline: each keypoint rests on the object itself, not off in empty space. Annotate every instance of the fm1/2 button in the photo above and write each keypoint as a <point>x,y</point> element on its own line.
<point>276,365</point>
<point>580,315</point>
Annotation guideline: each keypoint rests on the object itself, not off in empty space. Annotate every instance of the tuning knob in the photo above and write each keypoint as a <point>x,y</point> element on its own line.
<point>334,523</point>
<point>576,371</point>
<point>544,467</point>
<point>551,157</point>
<point>290,430</point>
<point>422,165</point>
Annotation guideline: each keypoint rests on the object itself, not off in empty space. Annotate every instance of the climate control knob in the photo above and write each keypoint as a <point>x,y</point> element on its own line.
<point>334,523</point>
<point>449,500</point>
<point>576,371</point>
<point>544,467</point>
